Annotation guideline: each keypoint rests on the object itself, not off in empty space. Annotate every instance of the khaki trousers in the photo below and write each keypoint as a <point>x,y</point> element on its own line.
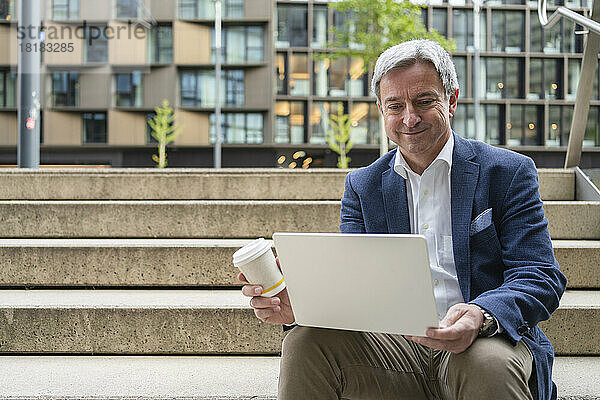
<point>328,364</point>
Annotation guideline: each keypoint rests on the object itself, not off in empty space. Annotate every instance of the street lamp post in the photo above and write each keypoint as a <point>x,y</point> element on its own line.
<point>28,94</point>
<point>218,137</point>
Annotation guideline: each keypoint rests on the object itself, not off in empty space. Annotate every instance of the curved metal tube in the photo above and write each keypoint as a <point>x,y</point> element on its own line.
<point>565,12</point>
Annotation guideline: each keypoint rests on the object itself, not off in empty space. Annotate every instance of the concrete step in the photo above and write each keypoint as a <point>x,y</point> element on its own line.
<point>207,184</point>
<point>198,322</point>
<point>193,377</point>
<point>221,218</point>
<point>184,262</point>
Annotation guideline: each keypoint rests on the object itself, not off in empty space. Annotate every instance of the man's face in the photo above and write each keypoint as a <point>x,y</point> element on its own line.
<point>416,110</point>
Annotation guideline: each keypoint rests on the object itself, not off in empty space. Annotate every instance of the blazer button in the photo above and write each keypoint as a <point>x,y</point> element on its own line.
<point>523,329</point>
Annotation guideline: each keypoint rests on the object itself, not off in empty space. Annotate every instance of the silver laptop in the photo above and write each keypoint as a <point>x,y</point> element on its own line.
<point>362,282</point>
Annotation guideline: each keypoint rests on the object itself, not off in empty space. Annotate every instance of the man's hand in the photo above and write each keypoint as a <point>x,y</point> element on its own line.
<point>273,310</point>
<point>457,331</point>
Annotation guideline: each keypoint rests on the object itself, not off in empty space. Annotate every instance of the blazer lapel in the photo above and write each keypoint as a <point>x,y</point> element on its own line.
<point>464,177</point>
<point>393,188</point>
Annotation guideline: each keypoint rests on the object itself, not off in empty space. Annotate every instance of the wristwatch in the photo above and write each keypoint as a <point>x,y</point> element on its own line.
<point>489,326</point>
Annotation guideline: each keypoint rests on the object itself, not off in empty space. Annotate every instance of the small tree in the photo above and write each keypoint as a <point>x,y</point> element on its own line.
<point>338,137</point>
<point>374,25</point>
<point>164,131</point>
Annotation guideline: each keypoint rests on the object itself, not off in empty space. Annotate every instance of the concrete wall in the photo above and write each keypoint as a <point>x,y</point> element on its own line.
<point>94,10</point>
<point>95,89</point>
<point>62,128</point>
<point>64,35</point>
<point>126,128</point>
<point>8,129</point>
<point>163,9</point>
<point>257,9</point>
<point>191,43</point>
<point>129,47</point>
<point>160,84</point>
<point>195,128</point>
<point>257,83</point>
<point>8,50</point>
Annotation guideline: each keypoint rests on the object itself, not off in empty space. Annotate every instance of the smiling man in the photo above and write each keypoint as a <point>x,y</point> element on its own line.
<point>494,272</point>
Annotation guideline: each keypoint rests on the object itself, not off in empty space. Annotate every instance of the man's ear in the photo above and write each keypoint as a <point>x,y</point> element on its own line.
<point>453,102</point>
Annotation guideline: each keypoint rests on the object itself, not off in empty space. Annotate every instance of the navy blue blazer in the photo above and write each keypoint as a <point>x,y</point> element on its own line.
<point>507,267</point>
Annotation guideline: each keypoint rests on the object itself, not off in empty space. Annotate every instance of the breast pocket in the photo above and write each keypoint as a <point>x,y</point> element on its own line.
<point>486,259</point>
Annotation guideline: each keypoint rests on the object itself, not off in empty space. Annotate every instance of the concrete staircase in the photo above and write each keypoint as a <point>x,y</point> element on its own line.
<point>119,283</point>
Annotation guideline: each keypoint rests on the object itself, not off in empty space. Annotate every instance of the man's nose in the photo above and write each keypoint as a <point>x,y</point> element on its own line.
<point>410,117</point>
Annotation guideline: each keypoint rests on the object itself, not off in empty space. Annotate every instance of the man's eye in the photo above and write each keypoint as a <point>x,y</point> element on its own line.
<point>393,106</point>
<point>426,102</point>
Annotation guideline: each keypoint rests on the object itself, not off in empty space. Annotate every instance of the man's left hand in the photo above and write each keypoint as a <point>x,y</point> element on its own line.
<point>457,331</point>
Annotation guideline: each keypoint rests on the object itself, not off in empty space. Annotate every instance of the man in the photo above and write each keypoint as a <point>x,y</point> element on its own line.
<point>495,276</point>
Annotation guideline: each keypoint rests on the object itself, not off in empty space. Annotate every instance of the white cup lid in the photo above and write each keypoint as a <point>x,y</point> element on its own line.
<point>251,251</point>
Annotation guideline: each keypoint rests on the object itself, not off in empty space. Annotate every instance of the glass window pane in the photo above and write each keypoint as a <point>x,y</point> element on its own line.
<point>127,9</point>
<point>319,37</point>
<point>591,131</point>
<point>289,122</point>
<point>188,9</point>
<point>96,45</point>
<point>560,124</point>
<point>364,119</point>
<point>235,48</point>
<point>299,79</point>
<point>493,119</point>
<point>338,71</point>
<point>508,31</point>
<point>320,76</point>
<point>254,48</point>
<point>461,72</point>
<point>439,21</point>
<point>319,119</point>
<point>292,29</point>
<point>280,73</point>
<point>462,122</point>
<point>94,128</point>
<point>357,82</point>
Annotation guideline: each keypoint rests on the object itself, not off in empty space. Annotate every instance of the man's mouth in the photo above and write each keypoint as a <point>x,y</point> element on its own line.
<point>414,132</point>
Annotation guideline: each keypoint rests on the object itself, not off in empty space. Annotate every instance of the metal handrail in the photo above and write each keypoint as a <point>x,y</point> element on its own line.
<point>588,67</point>
<point>565,12</point>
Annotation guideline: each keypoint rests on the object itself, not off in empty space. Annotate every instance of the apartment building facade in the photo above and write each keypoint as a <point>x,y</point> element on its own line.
<point>107,64</point>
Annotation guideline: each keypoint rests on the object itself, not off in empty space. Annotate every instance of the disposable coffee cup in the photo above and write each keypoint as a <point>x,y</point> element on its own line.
<point>257,263</point>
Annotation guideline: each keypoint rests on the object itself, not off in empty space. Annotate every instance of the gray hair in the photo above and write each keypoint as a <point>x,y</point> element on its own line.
<point>408,53</point>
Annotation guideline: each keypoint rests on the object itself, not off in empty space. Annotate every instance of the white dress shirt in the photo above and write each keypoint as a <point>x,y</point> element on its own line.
<point>428,197</point>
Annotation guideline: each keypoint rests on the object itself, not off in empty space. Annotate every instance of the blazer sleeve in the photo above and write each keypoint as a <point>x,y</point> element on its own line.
<point>351,217</point>
<point>533,283</point>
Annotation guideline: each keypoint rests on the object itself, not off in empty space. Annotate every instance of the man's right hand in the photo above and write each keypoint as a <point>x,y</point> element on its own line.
<point>273,310</point>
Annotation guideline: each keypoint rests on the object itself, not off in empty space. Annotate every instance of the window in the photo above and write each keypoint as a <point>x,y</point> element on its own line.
<point>96,48</point>
<point>299,80</point>
<point>504,78</point>
<point>241,43</point>
<point>545,78</point>
<point>161,44</point>
<point>188,9</point>
<point>526,125</point>
<point>319,36</point>
<point>340,78</point>
<point>462,29</point>
<point>149,138</point>
<point>65,89</point>
<point>205,9</point>
<point>7,89</point>
<point>94,128</point>
<point>439,22</point>
<point>129,89</point>
<point>281,66</point>
<point>492,121</point>
<point>198,88</point>
<point>7,10</point>
<point>574,71</point>
<point>461,73</point>
<point>289,122</point>
<point>508,31</point>
<point>364,122</point>
<point>65,9</point>
<point>560,118</point>
<point>292,26</point>
<point>545,40</point>
<point>462,122</point>
<point>319,119</point>
<point>238,128</point>
<point>127,9</point>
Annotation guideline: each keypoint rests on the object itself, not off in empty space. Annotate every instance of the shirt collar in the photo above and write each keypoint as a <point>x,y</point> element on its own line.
<point>402,168</point>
